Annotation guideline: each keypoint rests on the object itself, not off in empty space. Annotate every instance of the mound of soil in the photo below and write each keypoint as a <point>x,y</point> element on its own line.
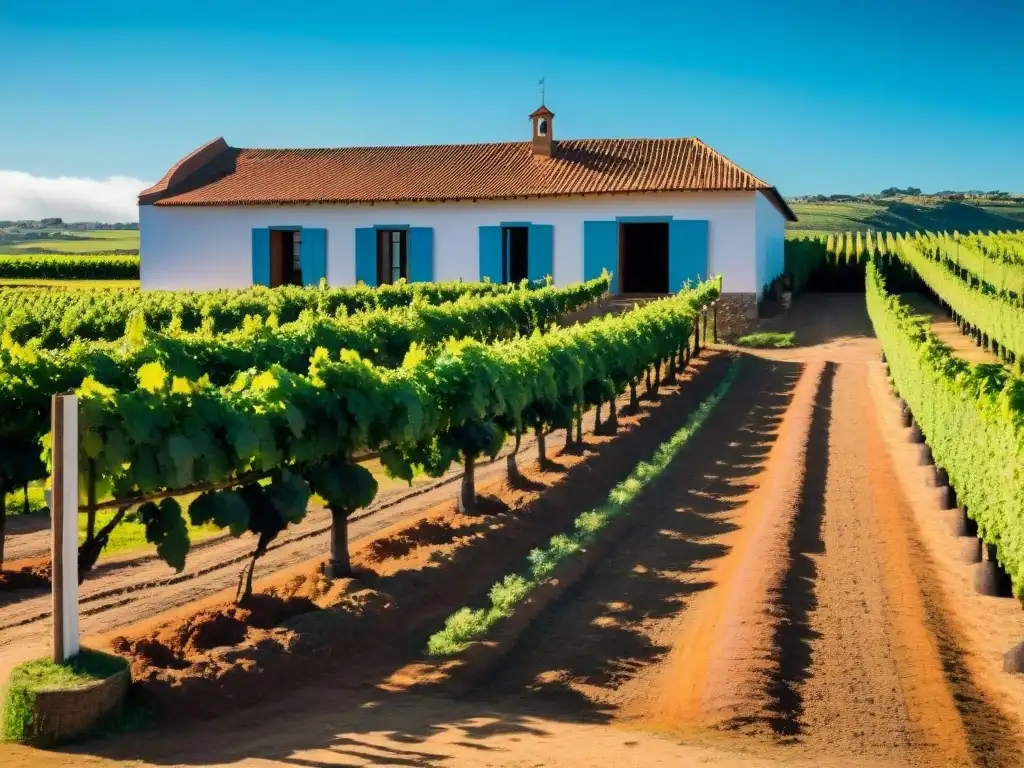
<point>179,645</point>
<point>26,574</point>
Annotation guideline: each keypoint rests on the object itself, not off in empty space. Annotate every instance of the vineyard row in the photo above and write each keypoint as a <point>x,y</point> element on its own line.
<point>55,318</point>
<point>277,436</point>
<point>29,377</point>
<point>972,417</point>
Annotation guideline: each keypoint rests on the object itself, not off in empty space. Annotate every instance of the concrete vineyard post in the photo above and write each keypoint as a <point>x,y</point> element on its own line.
<point>64,526</point>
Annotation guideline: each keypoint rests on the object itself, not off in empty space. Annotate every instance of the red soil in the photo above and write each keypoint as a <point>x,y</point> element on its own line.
<point>30,573</point>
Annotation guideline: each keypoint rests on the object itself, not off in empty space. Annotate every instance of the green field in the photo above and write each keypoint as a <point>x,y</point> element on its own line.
<point>94,241</point>
<point>908,215</point>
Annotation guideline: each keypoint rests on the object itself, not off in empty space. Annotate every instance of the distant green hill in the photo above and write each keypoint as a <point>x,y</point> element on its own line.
<point>90,241</point>
<point>907,215</point>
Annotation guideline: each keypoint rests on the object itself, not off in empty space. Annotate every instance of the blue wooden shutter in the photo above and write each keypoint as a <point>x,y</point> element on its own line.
<point>261,257</point>
<point>421,254</point>
<point>541,253</point>
<point>314,255</point>
<point>366,256</point>
<point>490,253</point>
<point>601,250</point>
<point>687,253</point>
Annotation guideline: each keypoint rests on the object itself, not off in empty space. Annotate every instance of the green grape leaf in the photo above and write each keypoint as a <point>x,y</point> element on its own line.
<point>225,509</point>
<point>289,495</point>
<point>183,454</point>
<point>91,443</point>
<point>152,377</point>
<point>146,472</point>
<point>396,464</point>
<point>343,485</point>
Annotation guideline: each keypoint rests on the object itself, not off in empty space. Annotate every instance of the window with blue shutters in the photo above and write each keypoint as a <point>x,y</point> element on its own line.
<point>541,251</point>
<point>366,256</point>
<point>421,255</point>
<point>491,254</point>
<point>261,257</point>
<point>601,250</point>
<point>687,253</point>
<point>313,256</point>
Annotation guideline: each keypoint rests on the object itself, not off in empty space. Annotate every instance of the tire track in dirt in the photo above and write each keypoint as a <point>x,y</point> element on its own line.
<point>621,620</point>
<point>860,674</point>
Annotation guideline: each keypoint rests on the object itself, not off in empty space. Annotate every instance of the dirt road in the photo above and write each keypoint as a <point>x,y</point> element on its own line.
<point>776,600</point>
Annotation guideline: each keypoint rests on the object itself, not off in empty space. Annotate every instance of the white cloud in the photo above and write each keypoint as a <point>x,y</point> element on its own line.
<point>24,196</point>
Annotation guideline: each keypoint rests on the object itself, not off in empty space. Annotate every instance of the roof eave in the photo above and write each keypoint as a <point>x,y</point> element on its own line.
<point>771,193</point>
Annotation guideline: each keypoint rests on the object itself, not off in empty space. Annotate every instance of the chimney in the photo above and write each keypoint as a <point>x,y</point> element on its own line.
<point>543,132</point>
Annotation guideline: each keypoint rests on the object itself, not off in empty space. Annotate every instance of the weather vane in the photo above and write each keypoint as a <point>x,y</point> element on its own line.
<point>541,84</point>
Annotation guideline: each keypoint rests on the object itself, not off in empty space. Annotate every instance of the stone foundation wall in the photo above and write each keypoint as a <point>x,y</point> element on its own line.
<point>737,312</point>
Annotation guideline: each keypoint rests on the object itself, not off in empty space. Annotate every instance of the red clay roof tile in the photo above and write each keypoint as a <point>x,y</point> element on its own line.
<point>231,176</point>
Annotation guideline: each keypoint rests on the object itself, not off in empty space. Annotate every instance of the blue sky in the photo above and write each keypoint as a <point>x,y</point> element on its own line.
<point>811,96</point>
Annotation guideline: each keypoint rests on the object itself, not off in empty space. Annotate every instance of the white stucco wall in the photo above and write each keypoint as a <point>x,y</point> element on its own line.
<point>210,247</point>
<point>770,235</point>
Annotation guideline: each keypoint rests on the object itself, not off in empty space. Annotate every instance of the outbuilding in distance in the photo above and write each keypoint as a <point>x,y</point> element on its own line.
<point>654,212</point>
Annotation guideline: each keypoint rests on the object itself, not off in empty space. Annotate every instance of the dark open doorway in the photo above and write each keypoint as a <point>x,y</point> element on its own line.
<point>515,262</point>
<point>285,257</point>
<point>643,257</point>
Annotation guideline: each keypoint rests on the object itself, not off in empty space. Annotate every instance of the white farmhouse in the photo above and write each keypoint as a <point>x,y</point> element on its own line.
<point>654,212</point>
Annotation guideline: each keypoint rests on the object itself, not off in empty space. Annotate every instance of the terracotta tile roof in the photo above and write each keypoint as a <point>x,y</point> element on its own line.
<point>217,174</point>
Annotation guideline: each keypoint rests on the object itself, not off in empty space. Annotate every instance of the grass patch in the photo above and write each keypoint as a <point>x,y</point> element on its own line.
<point>30,678</point>
<point>14,502</point>
<point>767,340</point>
<point>467,625</point>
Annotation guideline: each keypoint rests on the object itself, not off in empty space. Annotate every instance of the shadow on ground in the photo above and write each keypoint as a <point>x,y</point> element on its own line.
<point>796,596</point>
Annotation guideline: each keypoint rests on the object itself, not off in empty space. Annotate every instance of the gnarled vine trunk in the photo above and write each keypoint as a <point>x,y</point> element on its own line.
<point>634,401</point>
<point>467,491</point>
<point>512,474</point>
<point>90,549</point>
<point>612,425</point>
<point>340,563</point>
<point>542,454</point>
<point>244,591</point>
